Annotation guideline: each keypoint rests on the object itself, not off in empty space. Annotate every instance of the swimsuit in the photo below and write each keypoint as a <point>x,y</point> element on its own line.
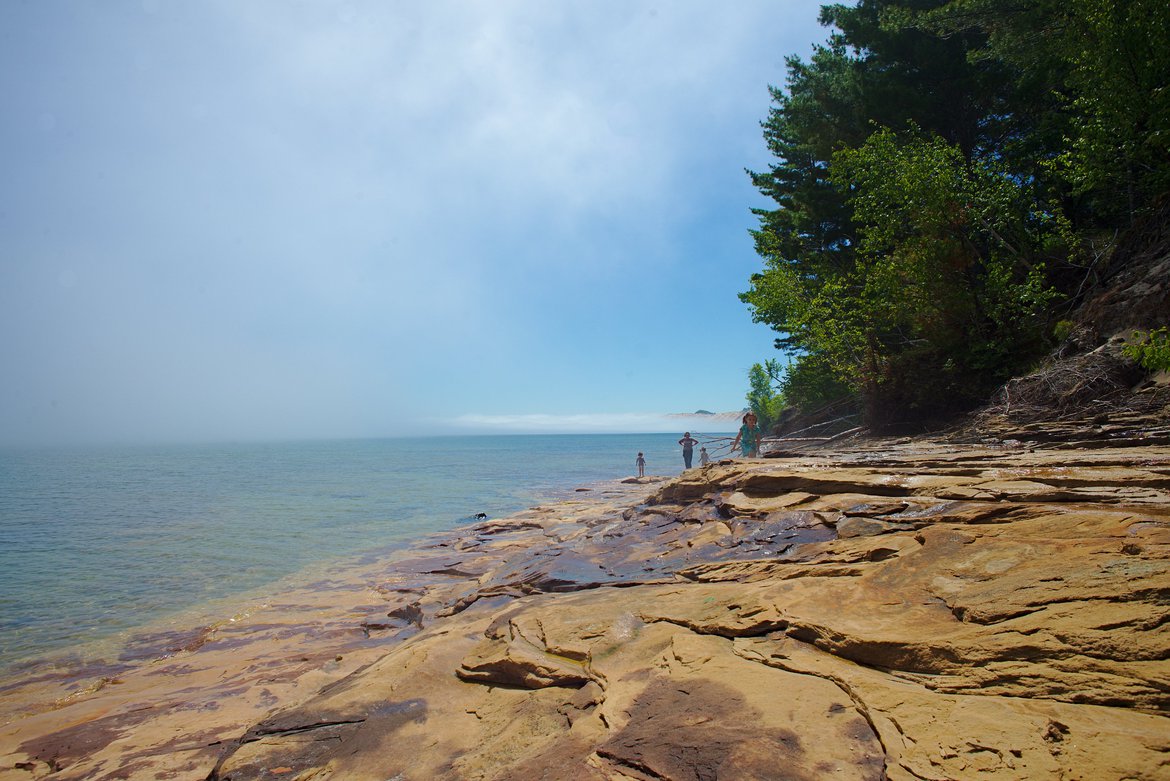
<point>749,439</point>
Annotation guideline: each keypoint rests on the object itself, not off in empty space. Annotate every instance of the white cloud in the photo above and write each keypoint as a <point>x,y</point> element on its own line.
<point>503,113</point>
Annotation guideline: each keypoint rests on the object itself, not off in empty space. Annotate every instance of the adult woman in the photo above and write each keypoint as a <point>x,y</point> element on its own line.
<point>688,445</point>
<point>749,436</point>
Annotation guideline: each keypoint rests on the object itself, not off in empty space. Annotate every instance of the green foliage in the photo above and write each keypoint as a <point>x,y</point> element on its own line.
<point>1099,69</point>
<point>1151,350</point>
<point>763,397</point>
<point>810,382</point>
<point>937,166</point>
<point>1062,330</point>
<point>950,255</point>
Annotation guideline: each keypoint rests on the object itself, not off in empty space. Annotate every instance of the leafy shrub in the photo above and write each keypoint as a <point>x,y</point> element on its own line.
<point>1151,350</point>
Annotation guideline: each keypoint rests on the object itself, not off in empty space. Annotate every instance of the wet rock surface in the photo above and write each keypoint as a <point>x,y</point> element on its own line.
<point>898,609</point>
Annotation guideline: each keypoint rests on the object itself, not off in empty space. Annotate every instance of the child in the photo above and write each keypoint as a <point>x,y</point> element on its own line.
<point>749,436</point>
<point>641,462</point>
<point>704,459</point>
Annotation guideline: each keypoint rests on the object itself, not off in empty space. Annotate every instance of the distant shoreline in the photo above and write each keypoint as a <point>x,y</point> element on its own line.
<point>46,680</point>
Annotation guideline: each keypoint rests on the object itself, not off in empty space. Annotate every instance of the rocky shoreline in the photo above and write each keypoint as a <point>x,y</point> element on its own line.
<point>162,704</point>
<point>902,609</point>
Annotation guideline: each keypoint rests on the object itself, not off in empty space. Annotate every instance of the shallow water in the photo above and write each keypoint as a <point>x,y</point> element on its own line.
<point>95,543</point>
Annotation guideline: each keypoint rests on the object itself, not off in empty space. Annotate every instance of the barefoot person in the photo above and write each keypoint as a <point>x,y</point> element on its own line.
<point>749,436</point>
<point>641,464</point>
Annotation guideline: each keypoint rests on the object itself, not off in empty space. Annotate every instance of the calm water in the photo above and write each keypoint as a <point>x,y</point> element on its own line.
<point>96,542</point>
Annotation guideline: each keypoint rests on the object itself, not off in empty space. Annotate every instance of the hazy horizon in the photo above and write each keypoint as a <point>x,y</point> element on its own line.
<point>715,430</point>
<point>334,220</point>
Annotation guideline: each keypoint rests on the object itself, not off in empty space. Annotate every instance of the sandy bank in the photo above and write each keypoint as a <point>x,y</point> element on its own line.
<point>901,610</point>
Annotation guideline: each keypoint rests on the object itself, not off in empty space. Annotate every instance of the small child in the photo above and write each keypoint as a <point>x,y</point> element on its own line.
<point>641,462</point>
<point>704,459</point>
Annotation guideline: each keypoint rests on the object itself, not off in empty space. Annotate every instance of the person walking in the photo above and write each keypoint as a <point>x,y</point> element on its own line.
<point>688,445</point>
<point>749,436</point>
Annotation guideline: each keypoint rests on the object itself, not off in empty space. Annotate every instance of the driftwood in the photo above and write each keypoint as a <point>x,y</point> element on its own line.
<point>823,424</point>
<point>804,441</point>
<point>1098,395</point>
<point>838,435</point>
<point>1093,383</point>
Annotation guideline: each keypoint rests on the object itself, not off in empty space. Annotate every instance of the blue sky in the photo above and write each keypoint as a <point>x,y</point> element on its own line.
<point>255,220</point>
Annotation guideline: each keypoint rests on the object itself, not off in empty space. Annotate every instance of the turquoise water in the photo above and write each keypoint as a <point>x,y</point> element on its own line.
<point>95,542</point>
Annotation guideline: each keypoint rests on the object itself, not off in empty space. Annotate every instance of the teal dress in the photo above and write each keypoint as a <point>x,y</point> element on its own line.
<point>749,440</point>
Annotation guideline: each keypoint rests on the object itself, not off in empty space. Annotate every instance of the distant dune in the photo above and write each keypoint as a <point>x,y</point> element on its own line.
<point>701,421</point>
<point>703,415</point>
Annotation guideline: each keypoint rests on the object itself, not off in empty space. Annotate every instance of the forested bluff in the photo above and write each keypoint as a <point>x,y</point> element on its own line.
<point>952,183</point>
<point>954,565</point>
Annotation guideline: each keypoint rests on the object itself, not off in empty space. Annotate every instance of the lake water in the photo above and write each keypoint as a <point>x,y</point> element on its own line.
<point>96,542</point>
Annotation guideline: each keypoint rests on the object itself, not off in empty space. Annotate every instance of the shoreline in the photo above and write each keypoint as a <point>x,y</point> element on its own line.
<point>220,609</point>
<point>134,645</point>
<point>104,540</point>
<point>305,631</point>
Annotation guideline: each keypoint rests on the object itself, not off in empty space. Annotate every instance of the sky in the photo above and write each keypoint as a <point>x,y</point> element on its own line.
<point>225,220</point>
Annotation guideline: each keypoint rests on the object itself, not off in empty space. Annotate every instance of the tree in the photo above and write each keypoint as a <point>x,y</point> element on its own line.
<point>763,396</point>
<point>1101,71</point>
<point>949,296</point>
<point>815,289</point>
<point>939,164</point>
